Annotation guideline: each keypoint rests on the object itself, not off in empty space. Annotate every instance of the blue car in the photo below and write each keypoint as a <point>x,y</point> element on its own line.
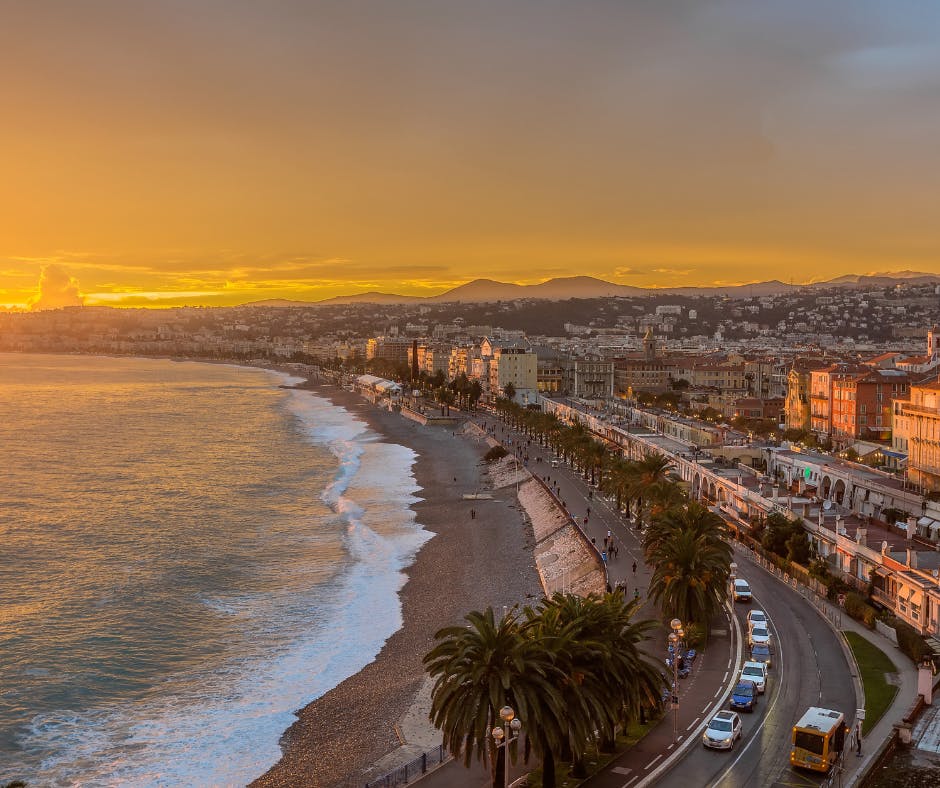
<point>761,653</point>
<point>744,695</point>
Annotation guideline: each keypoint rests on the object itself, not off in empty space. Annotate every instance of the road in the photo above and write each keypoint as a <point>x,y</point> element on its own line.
<point>809,670</point>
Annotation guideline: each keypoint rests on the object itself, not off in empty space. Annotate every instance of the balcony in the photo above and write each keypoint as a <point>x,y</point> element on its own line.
<point>909,408</point>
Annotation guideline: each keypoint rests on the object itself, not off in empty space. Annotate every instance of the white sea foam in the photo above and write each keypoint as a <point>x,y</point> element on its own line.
<point>223,728</point>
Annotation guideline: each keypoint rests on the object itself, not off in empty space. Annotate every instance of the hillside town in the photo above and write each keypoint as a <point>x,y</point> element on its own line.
<point>824,406</point>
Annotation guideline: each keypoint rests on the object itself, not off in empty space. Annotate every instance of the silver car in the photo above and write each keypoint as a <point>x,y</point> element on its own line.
<point>723,731</point>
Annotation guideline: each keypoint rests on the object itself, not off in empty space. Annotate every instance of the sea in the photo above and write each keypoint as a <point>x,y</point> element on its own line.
<point>189,553</point>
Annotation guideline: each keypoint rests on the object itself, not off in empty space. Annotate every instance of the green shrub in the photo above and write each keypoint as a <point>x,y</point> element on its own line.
<point>860,610</point>
<point>911,643</point>
<point>496,453</point>
<point>694,636</point>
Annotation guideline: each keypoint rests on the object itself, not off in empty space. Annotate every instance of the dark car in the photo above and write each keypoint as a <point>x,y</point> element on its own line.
<point>744,695</point>
<point>761,653</point>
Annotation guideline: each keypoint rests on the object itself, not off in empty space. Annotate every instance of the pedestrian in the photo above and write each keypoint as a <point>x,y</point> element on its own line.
<point>858,740</point>
<point>609,589</point>
<point>594,541</point>
<point>634,567</point>
<point>589,511</point>
<point>473,514</point>
<point>604,556</point>
<point>636,593</point>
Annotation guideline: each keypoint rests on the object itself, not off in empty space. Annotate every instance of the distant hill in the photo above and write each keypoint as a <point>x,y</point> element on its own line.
<point>358,298</point>
<point>562,288</point>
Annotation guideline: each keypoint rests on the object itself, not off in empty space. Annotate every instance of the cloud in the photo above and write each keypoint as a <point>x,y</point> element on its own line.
<point>57,288</point>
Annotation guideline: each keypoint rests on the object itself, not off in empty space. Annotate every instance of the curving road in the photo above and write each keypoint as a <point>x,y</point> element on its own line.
<point>810,669</point>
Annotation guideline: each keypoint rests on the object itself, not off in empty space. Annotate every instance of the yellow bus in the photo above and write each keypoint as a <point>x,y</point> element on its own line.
<point>818,739</point>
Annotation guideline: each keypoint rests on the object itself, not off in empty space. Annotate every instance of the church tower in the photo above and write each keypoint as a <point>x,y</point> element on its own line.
<point>649,345</point>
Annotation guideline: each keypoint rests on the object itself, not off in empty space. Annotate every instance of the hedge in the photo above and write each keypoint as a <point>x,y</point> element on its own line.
<point>860,610</point>
<point>911,643</point>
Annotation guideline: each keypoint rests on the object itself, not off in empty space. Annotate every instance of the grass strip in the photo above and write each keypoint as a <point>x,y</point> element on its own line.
<point>873,664</point>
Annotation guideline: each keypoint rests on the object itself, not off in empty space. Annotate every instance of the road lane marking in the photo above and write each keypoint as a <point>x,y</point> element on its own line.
<point>720,690</point>
<point>725,678</point>
<point>653,761</point>
<point>629,782</point>
<point>706,707</point>
<point>763,722</point>
<point>671,746</point>
<point>693,724</point>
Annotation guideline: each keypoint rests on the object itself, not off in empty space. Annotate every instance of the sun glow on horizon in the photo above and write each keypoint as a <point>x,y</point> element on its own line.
<point>158,160</point>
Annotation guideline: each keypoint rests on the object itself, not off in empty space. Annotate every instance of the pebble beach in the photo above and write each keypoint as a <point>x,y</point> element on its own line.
<point>468,564</point>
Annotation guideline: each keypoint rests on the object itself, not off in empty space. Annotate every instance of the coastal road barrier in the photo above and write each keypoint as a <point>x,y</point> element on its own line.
<point>412,770</point>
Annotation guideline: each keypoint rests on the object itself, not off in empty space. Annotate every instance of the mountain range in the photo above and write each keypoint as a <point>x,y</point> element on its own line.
<point>562,288</point>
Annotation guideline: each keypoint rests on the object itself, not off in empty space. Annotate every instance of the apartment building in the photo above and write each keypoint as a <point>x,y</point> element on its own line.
<point>797,404</point>
<point>517,366</point>
<point>589,378</point>
<point>861,403</point>
<point>394,349</point>
<point>918,432</point>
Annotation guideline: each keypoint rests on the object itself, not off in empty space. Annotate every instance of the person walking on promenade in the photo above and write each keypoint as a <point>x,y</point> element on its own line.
<point>858,740</point>
<point>634,567</point>
<point>473,514</point>
<point>604,556</point>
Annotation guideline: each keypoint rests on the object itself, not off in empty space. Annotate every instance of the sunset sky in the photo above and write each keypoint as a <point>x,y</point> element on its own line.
<point>165,152</point>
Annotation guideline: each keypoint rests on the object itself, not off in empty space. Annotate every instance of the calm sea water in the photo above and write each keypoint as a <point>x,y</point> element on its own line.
<point>189,553</point>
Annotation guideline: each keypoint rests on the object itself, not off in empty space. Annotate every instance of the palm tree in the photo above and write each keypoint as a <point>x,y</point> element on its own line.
<point>570,626</point>
<point>692,562</point>
<point>650,482</point>
<point>479,669</point>
<point>609,679</point>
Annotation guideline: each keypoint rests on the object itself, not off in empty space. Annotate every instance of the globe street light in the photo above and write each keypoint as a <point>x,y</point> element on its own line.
<point>503,739</point>
<point>675,641</point>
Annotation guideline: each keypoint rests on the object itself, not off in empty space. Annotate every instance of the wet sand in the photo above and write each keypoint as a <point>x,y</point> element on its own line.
<point>468,565</point>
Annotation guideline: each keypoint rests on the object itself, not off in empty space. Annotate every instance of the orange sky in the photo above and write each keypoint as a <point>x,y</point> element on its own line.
<point>164,153</point>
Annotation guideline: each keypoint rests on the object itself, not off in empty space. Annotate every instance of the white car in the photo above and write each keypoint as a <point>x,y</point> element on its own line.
<point>756,672</point>
<point>755,617</point>
<point>723,730</point>
<point>758,635</point>
<point>742,591</point>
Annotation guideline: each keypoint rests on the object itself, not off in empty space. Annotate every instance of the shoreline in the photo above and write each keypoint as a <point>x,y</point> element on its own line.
<point>467,564</point>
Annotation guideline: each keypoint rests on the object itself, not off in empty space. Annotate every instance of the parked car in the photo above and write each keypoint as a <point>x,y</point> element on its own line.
<point>756,672</point>
<point>761,653</point>
<point>755,617</point>
<point>744,695</point>
<point>722,731</point>
<point>758,634</point>
<point>742,591</point>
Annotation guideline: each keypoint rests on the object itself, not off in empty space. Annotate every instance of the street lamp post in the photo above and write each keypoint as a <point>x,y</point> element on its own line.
<point>501,735</point>
<point>675,640</point>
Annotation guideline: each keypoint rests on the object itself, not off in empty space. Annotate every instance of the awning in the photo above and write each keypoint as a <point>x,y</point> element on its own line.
<point>881,571</point>
<point>898,455</point>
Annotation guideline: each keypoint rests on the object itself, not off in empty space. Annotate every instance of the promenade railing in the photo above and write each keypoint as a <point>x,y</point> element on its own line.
<point>412,770</point>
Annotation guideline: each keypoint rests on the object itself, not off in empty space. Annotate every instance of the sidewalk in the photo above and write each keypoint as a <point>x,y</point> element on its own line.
<point>854,767</point>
